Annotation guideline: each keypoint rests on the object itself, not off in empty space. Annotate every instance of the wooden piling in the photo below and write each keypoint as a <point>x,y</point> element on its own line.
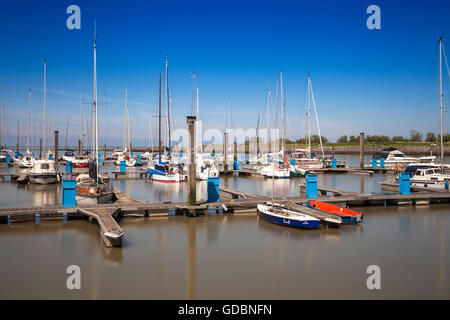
<point>40,148</point>
<point>361,150</point>
<point>56,149</point>
<point>80,151</point>
<point>191,120</point>
<point>225,151</point>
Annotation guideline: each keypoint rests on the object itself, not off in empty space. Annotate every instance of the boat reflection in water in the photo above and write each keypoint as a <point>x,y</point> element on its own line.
<point>45,194</point>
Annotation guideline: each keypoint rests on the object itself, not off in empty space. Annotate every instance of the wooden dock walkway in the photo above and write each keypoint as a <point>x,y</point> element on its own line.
<point>110,230</point>
<point>324,190</point>
<point>231,201</point>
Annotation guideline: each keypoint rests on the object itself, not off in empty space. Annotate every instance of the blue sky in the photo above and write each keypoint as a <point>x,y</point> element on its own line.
<point>376,81</point>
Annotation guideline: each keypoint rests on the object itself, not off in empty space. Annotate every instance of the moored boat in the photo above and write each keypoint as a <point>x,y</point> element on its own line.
<point>88,191</point>
<point>44,172</point>
<point>347,215</point>
<point>279,215</point>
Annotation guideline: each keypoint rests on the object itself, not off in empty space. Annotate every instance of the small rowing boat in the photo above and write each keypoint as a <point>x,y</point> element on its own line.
<point>279,215</point>
<point>347,216</point>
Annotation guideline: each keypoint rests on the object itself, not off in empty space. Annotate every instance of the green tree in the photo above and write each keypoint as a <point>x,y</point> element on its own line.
<point>431,137</point>
<point>342,139</point>
<point>415,136</point>
<point>398,139</point>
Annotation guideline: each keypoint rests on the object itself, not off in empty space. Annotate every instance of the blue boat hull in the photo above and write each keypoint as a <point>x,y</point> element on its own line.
<point>289,222</point>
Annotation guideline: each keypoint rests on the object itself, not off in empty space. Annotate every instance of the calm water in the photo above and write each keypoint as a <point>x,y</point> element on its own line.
<point>227,256</point>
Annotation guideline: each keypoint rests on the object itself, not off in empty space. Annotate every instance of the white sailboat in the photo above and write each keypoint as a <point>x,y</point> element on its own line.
<point>160,169</point>
<point>126,155</point>
<point>303,160</point>
<point>93,188</point>
<point>28,160</point>
<point>273,166</point>
<point>430,175</point>
<point>44,170</point>
<point>206,165</point>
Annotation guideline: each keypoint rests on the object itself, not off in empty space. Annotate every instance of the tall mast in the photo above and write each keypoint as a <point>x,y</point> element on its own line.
<point>81,124</point>
<point>95,106</point>
<point>159,117</point>
<point>229,114</point>
<point>268,120</point>
<point>282,111</point>
<point>441,97</point>
<point>168,103</point>
<point>18,134</point>
<point>45,104</point>
<point>193,96</point>
<point>308,117</point>
<point>29,120</point>
<point>128,124</point>
<point>125,124</point>
<point>67,130</point>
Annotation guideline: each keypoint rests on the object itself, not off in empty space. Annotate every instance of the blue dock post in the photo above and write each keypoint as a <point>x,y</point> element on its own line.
<point>138,158</point>
<point>9,220</point>
<point>64,217</point>
<point>311,186</point>
<point>235,165</point>
<point>68,166</point>
<point>37,218</point>
<point>213,190</point>
<point>50,157</point>
<point>404,184</point>
<point>123,166</point>
<point>334,163</point>
<point>382,163</point>
<point>69,193</point>
<point>99,158</point>
<point>374,163</point>
<point>446,184</point>
<point>8,159</point>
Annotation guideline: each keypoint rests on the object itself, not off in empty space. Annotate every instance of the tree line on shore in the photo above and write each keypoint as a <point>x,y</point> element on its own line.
<point>415,136</point>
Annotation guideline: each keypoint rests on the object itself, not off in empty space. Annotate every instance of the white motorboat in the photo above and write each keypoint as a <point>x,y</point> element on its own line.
<point>129,160</point>
<point>80,161</point>
<point>393,156</point>
<point>28,161</point>
<point>165,173</point>
<point>4,153</point>
<point>276,170</point>
<point>68,156</point>
<point>44,172</point>
<point>206,168</point>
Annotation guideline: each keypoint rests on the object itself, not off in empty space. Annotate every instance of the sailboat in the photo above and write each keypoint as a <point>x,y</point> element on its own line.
<point>274,166</point>
<point>28,160</point>
<point>206,165</point>
<point>44,170</point>
<point>92,188</point>
<point>159,169</point>
<point>303,160</point>
<point>426,175</point>
<point>126,155</point>
<point>278,214</point>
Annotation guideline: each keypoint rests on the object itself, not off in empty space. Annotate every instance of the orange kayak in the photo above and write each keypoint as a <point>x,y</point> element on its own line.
<point>346,215</point>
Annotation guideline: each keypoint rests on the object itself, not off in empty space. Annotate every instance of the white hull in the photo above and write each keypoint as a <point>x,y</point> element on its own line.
<point>269,171</point>
<point>44,178</point>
